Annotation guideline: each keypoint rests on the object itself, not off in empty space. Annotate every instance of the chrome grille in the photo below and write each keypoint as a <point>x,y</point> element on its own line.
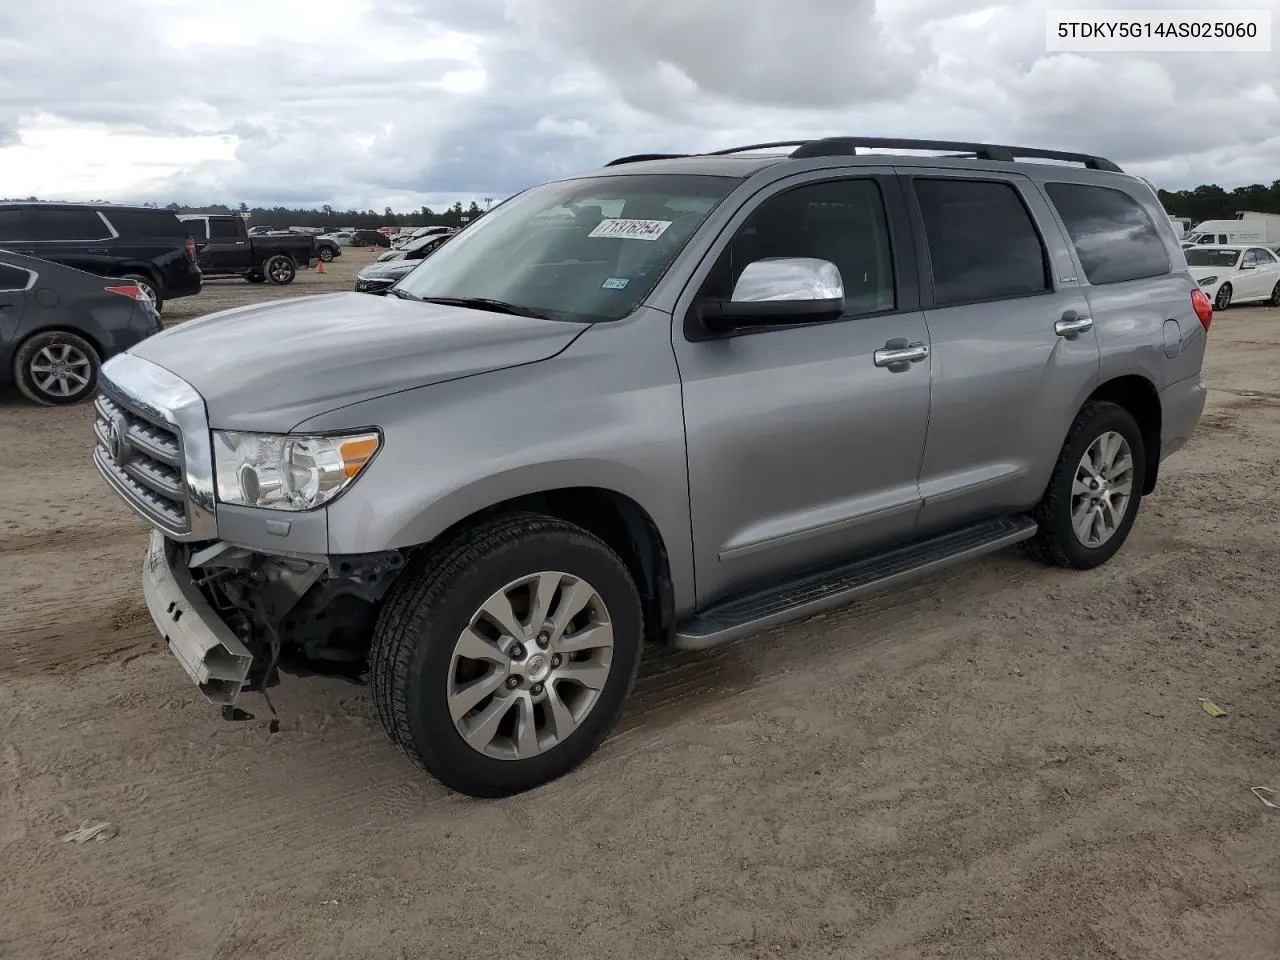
<point>141,456</point>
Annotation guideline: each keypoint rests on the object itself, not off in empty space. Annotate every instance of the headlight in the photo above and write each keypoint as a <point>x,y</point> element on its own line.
<point>284,472</point>
<point>1208,281</point>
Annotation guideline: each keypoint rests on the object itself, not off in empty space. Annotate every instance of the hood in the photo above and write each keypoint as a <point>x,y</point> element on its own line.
<point>390,270</point>
<point>269,367</point>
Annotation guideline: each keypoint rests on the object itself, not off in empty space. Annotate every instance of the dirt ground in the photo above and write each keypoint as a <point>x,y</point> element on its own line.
<point>1002,761</point>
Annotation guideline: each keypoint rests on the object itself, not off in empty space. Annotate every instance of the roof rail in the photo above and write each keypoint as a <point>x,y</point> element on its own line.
<point>640,157</point>
<point>848,146</point>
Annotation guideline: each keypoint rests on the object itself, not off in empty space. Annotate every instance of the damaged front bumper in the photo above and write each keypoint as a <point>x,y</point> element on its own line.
<point>231,615</point>
<point>210,653</point>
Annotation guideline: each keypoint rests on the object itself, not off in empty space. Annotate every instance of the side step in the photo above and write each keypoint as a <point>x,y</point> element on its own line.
<point>832,588</point>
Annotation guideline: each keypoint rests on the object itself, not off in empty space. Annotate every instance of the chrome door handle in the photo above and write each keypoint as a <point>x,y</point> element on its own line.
<point>1071,326</point>
<point>894,355</point>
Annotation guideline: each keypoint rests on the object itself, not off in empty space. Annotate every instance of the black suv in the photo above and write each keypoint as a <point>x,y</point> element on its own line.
<point>142,244</point>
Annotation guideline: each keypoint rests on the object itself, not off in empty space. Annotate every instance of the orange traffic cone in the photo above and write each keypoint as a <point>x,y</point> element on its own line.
<point>320,267</point>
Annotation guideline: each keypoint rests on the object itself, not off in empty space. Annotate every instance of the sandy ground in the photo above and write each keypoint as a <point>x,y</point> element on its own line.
<point>1003,761</point>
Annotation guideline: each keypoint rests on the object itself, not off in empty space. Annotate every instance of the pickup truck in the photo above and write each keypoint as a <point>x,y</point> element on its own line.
<point>225,249</point>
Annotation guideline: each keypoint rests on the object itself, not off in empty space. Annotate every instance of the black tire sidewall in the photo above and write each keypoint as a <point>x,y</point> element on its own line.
<point>432,728</point>
<point>1229,291</point>
<point>1275,295</point>
<point>31,346</point>
<point>1096,420</point>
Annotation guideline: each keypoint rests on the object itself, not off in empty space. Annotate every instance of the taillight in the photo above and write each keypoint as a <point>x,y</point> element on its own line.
<point>1203,307</point>
<point>130,290</point>
<point>191,250</point>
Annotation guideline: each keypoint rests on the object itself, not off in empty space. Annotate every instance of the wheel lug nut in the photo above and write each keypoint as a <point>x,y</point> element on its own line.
<point>536,689</point>
<point>544,639</point>
<point>555,661</point>
<point>513,682</point>
<point>517,652</point>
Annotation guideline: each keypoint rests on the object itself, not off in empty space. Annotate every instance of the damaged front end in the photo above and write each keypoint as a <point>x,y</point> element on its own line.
<point>234,617</point>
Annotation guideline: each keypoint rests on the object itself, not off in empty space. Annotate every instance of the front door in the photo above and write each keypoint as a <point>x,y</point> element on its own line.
<point>1259,282</point>
<point>802,449</point>
<point>1014,350</point>
<point>229,248</point>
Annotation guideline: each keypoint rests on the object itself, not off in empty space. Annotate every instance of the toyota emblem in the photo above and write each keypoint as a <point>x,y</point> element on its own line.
<point>117,438</point>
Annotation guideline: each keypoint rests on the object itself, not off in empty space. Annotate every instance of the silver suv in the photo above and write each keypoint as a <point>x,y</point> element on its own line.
<point>677,400</point>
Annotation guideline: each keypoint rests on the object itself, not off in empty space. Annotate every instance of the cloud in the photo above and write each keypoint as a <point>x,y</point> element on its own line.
<point>375,102</point>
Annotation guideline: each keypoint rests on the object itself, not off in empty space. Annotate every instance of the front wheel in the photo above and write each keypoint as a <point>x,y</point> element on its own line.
<point>1275,296</point>
<point>1223,299</point>
<point>325,254</point>
<point>502,660</point>
<point>1093,495</point>
<point>279,269</point>
<point>56,369</point>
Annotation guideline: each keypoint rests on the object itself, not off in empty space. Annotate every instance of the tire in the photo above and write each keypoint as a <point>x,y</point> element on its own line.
<point>1057,542</point>
<point>325,254</point>
<point>1222,299</point>
<point>255,277</point>
<point>279,269</point>
<point>149,286</point>
<point>1275,296</point>
<point>47,349</point>
<point>414,660</point>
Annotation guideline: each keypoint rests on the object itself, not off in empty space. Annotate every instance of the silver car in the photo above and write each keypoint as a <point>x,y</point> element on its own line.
<point>677,400</point>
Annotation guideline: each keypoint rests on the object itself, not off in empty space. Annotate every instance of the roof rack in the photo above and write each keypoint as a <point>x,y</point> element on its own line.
<point>848,146</point>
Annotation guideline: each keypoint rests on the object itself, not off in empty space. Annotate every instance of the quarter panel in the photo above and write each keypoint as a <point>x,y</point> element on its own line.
<point>604,413</point>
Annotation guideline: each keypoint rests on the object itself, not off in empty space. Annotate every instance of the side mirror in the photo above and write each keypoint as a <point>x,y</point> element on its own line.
<point>778,291</point>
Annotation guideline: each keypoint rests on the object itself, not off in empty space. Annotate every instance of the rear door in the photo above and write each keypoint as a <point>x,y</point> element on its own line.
<point>229,249</point>
<point>1014,353</point>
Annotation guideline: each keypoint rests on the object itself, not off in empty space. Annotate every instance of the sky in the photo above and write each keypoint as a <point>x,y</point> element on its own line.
<point>401,103</point>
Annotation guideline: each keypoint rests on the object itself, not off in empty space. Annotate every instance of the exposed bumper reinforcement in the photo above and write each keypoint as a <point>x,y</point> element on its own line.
<point>209,652</point>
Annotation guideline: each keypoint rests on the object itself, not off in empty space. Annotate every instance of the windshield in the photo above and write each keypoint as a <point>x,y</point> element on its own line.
<point>587,250</point>
<point>1210,257</point>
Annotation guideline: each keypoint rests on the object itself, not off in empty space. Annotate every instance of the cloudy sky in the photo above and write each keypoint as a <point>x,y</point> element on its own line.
<point>371,103</point>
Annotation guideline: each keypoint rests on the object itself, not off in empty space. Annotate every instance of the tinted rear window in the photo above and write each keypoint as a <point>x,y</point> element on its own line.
<point>66,223</point>
<point>146,223</point>
<point>11,278</point>
<point>982,241</point>
<point>1114,237</point>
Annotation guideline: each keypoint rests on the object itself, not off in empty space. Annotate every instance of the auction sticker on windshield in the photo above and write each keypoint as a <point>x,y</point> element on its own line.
<point>630,229</point>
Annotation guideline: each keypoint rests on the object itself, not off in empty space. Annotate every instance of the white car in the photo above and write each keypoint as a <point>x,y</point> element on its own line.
<point>341,237</point>
<point>1236,273</point>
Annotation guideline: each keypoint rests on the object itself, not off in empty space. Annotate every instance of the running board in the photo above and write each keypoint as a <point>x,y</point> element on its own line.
<point>833,588</point>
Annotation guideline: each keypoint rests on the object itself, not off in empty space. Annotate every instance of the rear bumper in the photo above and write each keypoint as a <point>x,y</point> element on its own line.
<point>1181,405</point>
<point>212,656</point>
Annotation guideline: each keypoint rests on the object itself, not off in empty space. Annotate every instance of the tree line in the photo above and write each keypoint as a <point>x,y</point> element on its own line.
<point>1211,202</point>
<point>331,217</point>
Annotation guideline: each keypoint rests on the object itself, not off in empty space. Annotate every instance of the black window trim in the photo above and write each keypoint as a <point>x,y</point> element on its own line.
<point>928,297</point>
<point>32,277</point>
<point>1071,243</point>
<point>901,252</point>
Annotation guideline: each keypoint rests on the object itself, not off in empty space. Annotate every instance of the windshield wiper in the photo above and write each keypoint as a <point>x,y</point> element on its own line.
<point>486,303</point>
<point>403,294</point>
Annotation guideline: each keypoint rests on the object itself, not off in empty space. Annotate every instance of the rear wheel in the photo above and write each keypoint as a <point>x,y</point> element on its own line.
<point>279,269</point>
<point>1223,299</point>
<point>1275,296</point>
<point>149,288</point>
<point>503,659</point>
<point>56,369</point>
<point>1093,495</point>
<point>325,254</point>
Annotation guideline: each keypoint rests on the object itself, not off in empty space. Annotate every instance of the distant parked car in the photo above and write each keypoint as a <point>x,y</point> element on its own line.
<point>378,278</point>
<point>227,250</point>
<point>1236,273</point>
<point>58,325</point>
<point>406,239</point>
<point>370,238</point>
<point>142,244</point>
<point>340,237</point>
